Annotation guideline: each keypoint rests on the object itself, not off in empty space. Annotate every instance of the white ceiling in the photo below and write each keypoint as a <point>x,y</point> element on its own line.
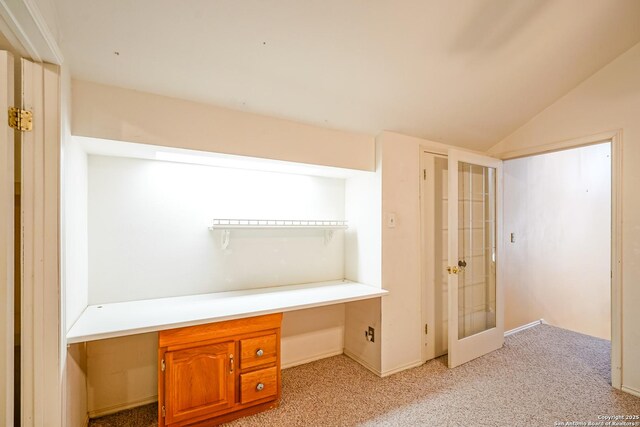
<point>465,72</point>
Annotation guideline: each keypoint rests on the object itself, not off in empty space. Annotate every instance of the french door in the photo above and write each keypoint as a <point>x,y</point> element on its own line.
<point>475,289</point>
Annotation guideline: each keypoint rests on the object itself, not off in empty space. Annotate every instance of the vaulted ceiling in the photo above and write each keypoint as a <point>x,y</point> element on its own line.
<point>465,72</point>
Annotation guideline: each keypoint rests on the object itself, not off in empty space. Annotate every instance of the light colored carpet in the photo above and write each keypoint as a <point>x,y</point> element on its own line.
<point>541,376</point>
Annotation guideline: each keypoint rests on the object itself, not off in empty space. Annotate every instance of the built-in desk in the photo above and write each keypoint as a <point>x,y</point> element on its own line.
<point>136,317</point>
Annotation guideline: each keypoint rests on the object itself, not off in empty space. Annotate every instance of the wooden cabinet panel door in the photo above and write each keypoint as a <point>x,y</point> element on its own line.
<point>199,381</point>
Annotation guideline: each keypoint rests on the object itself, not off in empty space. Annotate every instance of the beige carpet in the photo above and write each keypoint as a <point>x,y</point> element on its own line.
<point>541,376</point>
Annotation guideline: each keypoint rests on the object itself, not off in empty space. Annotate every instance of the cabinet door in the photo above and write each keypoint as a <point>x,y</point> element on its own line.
<point>199,381</point>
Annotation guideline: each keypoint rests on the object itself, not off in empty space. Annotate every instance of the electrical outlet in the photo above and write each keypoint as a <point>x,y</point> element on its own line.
<point>370,334</point>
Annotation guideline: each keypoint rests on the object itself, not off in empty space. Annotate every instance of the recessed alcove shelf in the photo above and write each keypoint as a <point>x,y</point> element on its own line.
<point>146,253</point>
<point>135,317</point>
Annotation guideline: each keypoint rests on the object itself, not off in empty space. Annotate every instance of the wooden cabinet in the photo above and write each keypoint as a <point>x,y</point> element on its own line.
<point>213,373</point>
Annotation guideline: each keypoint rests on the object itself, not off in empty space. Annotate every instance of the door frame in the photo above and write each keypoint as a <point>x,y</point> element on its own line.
<point>426,289</point>
<point>32,37</point>
<point>427,264</point>
<point>41,382</point>
<point>615,137</point>
<point>7,246</point>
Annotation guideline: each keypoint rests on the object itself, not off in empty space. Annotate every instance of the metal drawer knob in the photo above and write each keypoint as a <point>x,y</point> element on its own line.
<point>260,387</point>
<point>260,352</point>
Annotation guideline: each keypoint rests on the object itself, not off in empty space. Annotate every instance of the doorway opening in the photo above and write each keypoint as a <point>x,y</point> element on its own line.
<point>558,250</point>
<point>590,191</point>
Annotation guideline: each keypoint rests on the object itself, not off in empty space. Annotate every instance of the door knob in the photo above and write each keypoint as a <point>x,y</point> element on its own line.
<point>453,270</point>
<point>462,263</point>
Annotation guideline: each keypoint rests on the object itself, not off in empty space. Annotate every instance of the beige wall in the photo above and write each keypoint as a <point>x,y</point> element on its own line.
<point>558,205</point>
<point>126,115</point>
<point>121,373</point>
<point>75,386</point>
<point>608,100</point>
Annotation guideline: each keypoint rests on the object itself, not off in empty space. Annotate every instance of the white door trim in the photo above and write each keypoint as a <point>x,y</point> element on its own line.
<point>427,255</point>
<point>41,336</point>
<point>615,136</point>
<point>7,248</point>
<point>24,26</point>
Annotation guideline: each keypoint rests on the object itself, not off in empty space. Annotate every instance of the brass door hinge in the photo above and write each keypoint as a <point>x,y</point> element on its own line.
<point>426,329</point>
<point>21,120</point>
<point>164,412</point>
<point>162,364</point>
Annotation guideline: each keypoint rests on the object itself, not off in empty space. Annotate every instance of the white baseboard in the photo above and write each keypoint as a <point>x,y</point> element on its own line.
<point>523,327</point>
<point>402,368</point>
<point>362,362</point>
<point>95,413</point>
<point>380,373</point>
<point>311,359</point>
<point>630,390</point>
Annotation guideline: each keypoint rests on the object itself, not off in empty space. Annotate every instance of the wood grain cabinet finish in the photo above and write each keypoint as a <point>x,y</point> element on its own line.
<point>214,373</point>
<point>258,351</point>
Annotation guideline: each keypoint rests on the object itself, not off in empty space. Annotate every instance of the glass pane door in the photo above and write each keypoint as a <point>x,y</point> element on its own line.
<point>477,249</point>
<point>476,313</point>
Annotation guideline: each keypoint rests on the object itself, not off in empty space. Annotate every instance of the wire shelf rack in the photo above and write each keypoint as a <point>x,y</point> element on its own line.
<point>228,224</point>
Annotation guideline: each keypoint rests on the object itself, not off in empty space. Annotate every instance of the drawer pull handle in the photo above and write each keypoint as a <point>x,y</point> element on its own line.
<point>260,352</point>
<point>231,363</point>
<point>260,387</point>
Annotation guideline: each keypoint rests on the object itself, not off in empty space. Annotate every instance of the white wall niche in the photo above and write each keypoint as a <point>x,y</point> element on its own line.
<point>141,232</point>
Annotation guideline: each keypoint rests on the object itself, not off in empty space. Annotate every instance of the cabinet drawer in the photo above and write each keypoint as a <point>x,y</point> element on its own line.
<point>258,351</point>
<point>258,385</point>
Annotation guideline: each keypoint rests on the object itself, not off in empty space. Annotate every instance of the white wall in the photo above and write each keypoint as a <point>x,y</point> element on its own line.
<point>401,260</point>
<point>74,231</point>
<point>608,100</point>
<point>362,244</point>
<point>558,206</point>
<point>149,236</point>
<point>363,263</point>
<point>74,261</point>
